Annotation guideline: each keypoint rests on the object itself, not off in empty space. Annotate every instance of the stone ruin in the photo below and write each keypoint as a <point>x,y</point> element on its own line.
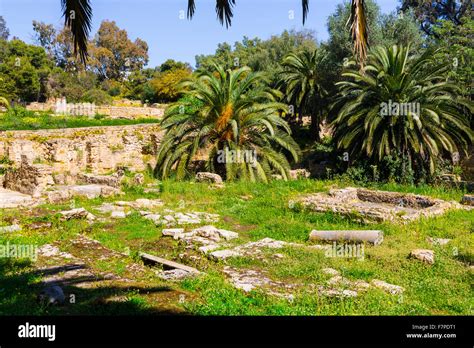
<point>372,205</point>
<point>28,184</point>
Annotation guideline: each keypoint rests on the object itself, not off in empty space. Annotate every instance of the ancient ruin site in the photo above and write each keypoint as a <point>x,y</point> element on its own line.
<point>156,165</point>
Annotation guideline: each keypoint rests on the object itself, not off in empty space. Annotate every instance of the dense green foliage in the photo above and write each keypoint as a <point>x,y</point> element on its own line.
<point>427,118</point>
<point>301,80</point>
<point>237,126</point>
<point>306,73</point>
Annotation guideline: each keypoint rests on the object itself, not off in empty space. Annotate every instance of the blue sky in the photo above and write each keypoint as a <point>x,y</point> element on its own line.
<point>158,21</point>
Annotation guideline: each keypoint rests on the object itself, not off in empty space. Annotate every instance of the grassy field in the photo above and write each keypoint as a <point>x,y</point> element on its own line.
<point>254,211</point>
<point>22,119</point>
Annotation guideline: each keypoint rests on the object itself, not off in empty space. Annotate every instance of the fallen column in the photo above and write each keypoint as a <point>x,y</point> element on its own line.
<point>370,236</point>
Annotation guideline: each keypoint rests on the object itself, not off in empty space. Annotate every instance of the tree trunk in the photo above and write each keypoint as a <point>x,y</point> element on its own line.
<point>314,128</point>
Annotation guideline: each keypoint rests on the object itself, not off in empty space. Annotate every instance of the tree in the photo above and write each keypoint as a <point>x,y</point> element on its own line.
<point>339,45</point>
<point>24,70</point>
<point>456,48</point>
<point>386,30</point>
<point>429,13</point>
<point>78,17</point>
<point>58,44</point>
<point>400,29</point>
<point>114,55</point>
<point>259,55</point>
<point>4,32</point>
<point>171,64</point>
<point>301,80</point>
<point>166,84</point>
<point>72,86</point>
<point>403,104</point>
<point>235,124</point>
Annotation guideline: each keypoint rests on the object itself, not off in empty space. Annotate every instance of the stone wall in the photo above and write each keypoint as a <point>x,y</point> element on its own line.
<point>129,112</point>
<point>97,150</point>
<point>29,179</point>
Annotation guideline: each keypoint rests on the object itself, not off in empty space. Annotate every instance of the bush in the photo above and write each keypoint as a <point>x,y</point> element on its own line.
<point>97,96</point>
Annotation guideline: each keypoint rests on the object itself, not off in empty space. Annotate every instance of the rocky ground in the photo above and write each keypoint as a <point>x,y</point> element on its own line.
<point>178,249</point>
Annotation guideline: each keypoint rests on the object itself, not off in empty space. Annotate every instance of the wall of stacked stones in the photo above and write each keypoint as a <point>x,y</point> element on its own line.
<point>129,112</point>
<point>97,150</point>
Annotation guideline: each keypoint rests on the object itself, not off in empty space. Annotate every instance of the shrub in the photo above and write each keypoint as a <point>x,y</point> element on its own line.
<point>97,96</point>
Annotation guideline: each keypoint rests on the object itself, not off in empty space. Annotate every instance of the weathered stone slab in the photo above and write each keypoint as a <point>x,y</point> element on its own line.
<point>173,232</point>
<point>141,203</point>
<point>207,248</point>
<point>175,274</point>
<point>369,236</point>
<point>156,218</point>
<point>390,288</point>
<point>118,215</point>
<point>344,293</point>
<point>372,205</point>
<point>78,213</point>
<point>208,177</point>
<point>424,255</point>
<point>248,280</point>
<point>225,254</point>
<point>168,264</point>
<point>113,180</point>
<point>88,191</point>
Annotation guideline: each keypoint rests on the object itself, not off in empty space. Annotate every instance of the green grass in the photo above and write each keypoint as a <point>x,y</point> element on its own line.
<point>257,211</point>
<point>22,119</point>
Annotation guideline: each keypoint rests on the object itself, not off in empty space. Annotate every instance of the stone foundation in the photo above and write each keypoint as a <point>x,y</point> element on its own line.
<point>97,150</point>
<point>370,205</point>
<point>29,179</point>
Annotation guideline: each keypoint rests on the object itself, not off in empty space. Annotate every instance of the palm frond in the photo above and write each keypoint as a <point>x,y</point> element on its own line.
<point>78,18</point>
<point>305,6</point>
<point>191,8</point>
<point>224,11</point>
<point>358,27</point>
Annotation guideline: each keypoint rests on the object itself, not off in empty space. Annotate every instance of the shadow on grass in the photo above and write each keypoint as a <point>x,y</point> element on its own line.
<point>20,286</point>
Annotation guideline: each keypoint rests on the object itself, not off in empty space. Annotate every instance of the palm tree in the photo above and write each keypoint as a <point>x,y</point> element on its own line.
<point>302,82</point>
<point>237,126</point>
<point>78,17</point>
<point>404,104</point>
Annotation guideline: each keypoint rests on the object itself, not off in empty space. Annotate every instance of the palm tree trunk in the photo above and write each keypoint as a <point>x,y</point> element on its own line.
<point>315,123</point>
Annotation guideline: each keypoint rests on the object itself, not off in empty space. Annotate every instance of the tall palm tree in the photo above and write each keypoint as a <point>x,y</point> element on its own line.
<point>404,104</point>
<point>78,17</point>
<point>301,81</point>
<point>237,126</point>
